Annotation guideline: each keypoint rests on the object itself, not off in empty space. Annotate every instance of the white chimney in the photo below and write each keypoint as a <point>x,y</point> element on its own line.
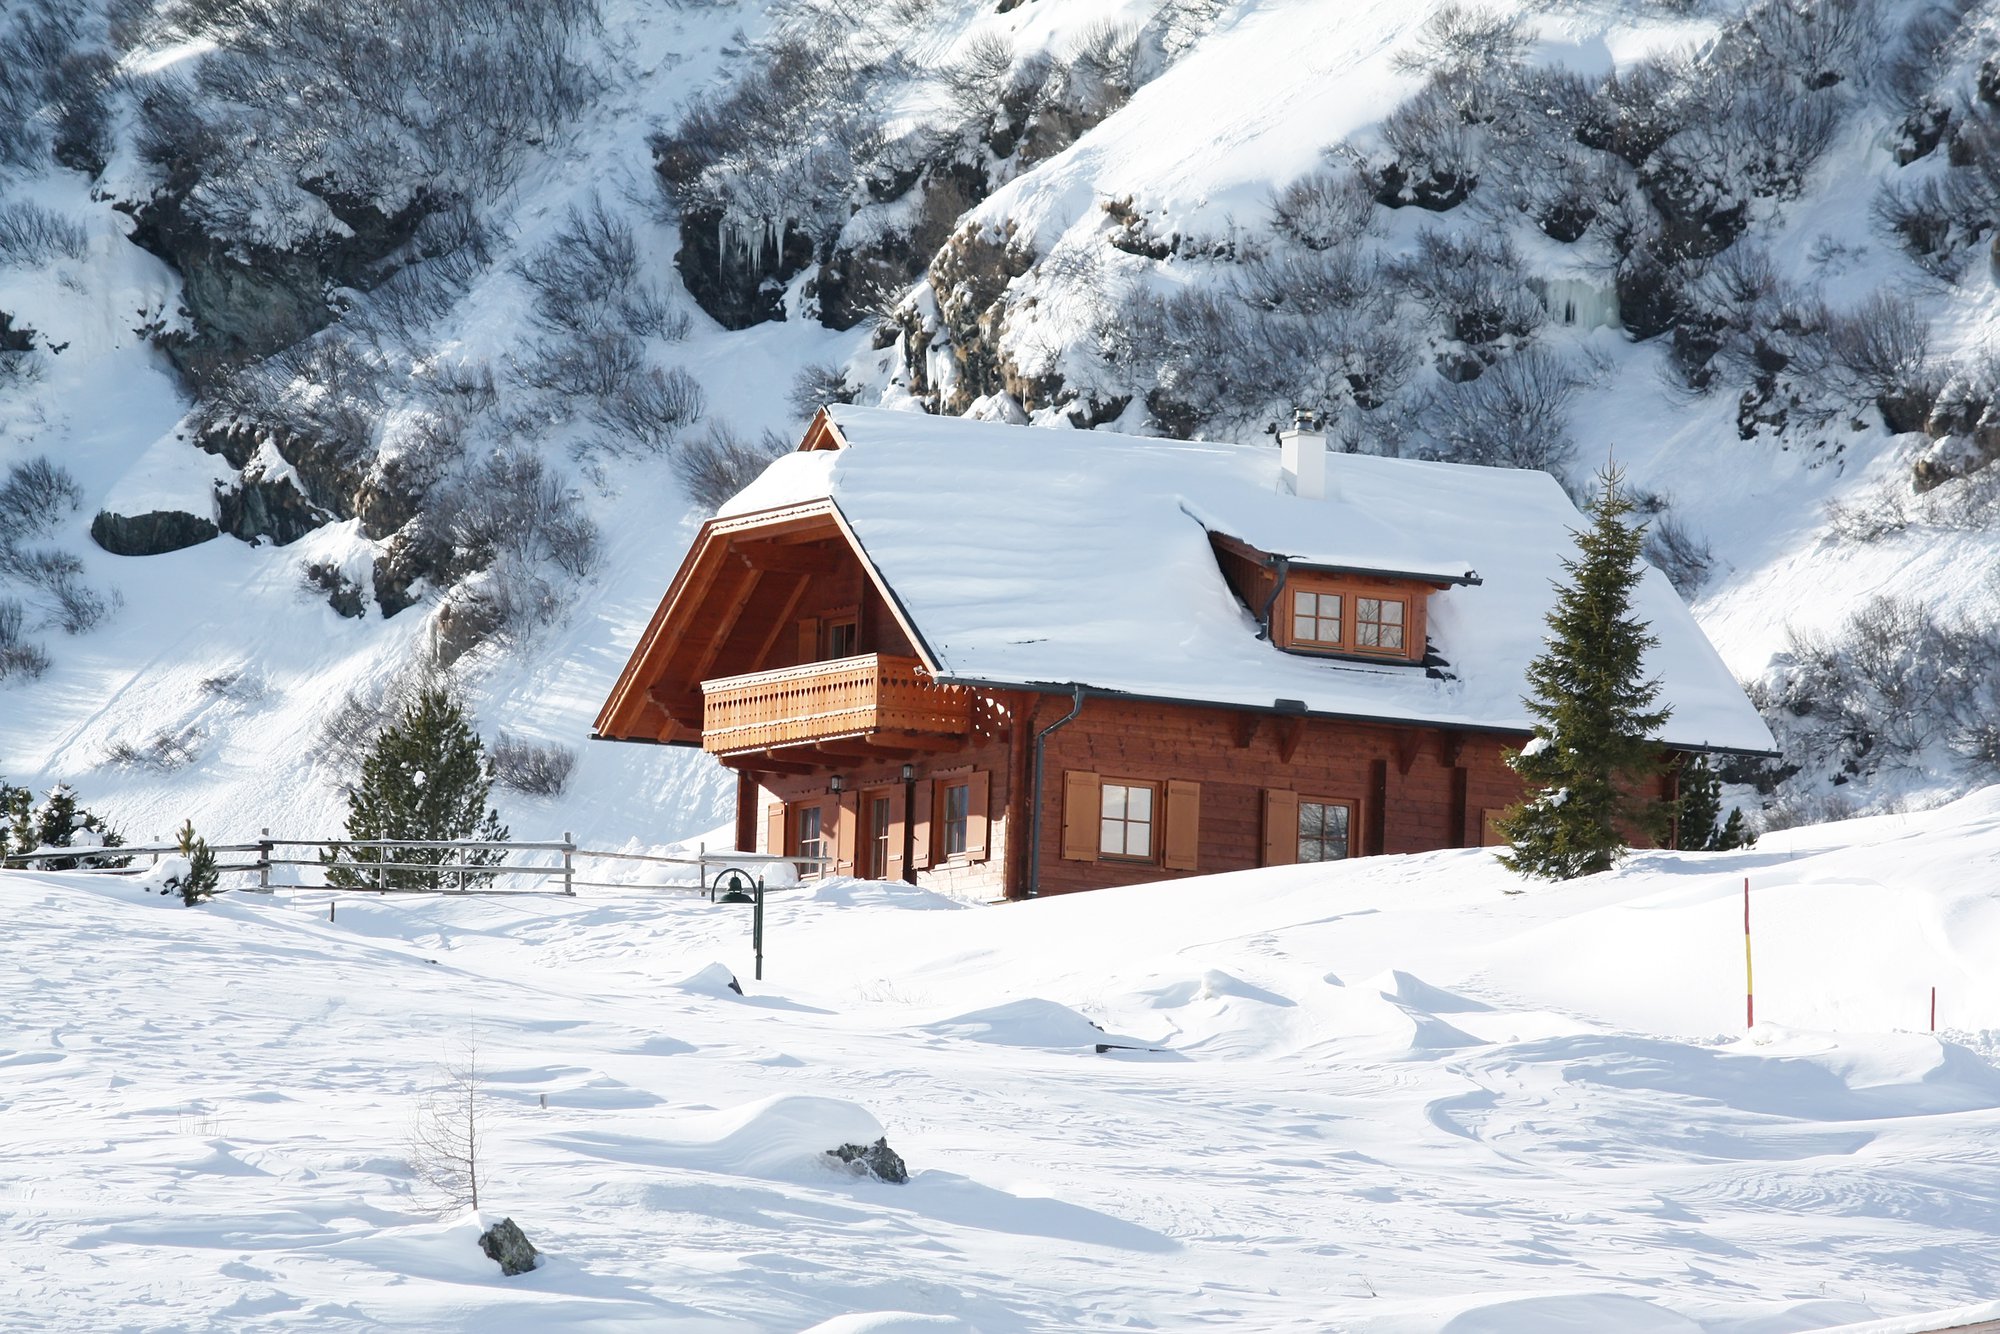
<point>1302,455</point>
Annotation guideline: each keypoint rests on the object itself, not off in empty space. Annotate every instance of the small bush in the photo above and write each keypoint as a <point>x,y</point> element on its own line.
<point>18,658</point>
<point>534,769</point>
<point>1473,40</point>
<point>718,463</point>
<point>1675,551</point>
<point>31,235</point>
<point>200,880</point>
<point>1516,415</point>
<point>650,410</point>
<point>816,386</point>
<point>163,753</point>
<point>1325,208</point>
<point>34,499</point>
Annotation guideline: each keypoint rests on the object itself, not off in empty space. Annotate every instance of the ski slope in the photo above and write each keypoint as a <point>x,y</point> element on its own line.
<point>1384,1095</point>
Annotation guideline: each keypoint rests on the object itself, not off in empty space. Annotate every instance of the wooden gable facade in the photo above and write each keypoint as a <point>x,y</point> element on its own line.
<point>779,650</point>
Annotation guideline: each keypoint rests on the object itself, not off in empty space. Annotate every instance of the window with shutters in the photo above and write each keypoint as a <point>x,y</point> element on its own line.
<point>1325,829</point>
<point>843,639</point>
<point>1125,820</point>
<point>954,815</point>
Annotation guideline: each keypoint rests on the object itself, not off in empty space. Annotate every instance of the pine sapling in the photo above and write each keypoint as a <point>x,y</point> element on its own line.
<point>199,880</point>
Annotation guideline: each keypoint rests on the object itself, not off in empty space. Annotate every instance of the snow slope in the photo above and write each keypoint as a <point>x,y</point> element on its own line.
<point>1386,1096</point>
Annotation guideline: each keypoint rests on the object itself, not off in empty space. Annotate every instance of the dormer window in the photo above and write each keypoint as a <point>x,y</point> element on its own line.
<point>1378,624</point>
<point>1316,620</point>
<point>1351,615</point>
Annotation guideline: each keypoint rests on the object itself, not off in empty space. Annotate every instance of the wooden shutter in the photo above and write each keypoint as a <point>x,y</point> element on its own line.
<point>920,825</point>
<point>892,869</point>
<point>1183,825</point>
<point>977,794</point>
<point>846,825</point>
<point>1281,827</point>
<point>774,830</point>
<point>809,639</point>
<point>1083,807</point>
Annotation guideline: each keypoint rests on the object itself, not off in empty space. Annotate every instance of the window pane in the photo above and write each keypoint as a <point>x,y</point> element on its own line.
<point>1392,636</point>
<point>1111,838</point>
<point>1308,849</point>
<point>1305,627</point>
<point>1336,832</point>
<point>1114,802</point>
<point>1138,840</point>
<point>1312,819</point>
<point>1140,802</point>
<point>1367,634</point>
<point>1392,613</point>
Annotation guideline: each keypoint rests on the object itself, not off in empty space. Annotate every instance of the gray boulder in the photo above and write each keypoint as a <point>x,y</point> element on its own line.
<point>150,534</point>
<point>507,1246</point>
<point>878,1160</point>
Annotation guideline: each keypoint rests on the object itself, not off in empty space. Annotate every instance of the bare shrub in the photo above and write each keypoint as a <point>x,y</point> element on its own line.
<point>1884,346</point>
<point>1456,37</point>
<point>1432,153</point>
<point>651,409</point>
<point>1516,415</point>
<point>718,463</point>
<point>535,769</point>
<point>18,658</point>
<point>1473,285</point>
<point>1679,554</point>
<point>447,1144</point>
<point>596,363</point>
<point>163,752</point>
<point>1327,207</point>
<point>512,505</point>
<point>815,386</point>
<point>35,498</point>
<point>31,235</point>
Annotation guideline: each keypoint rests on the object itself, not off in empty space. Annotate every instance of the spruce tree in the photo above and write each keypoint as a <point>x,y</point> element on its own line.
<point>1702,827</point>
<point>202,876</point>
<point>1593,710</point>
<point>427,778</point>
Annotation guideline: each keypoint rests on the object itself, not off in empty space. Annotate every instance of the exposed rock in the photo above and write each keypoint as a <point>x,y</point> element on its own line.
<point>507,1246</point>
<point>877,1160</point>
<point>856,281</point>
<point>969,278</point>
<point>408,559</point>
<point>343,594</point>
<point>737,281</point>
<point>150,534</point>
<point>248,301</point>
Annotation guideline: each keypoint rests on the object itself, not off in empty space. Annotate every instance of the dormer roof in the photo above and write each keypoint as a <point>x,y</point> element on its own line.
<point>1049,559</point>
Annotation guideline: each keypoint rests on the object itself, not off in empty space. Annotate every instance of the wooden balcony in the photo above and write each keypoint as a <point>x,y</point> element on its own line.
<point>828,701</point>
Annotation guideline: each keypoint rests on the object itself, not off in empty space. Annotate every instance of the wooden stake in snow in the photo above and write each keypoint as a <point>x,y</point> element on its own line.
<point>1749,986</point>
<point>1933,1009</point>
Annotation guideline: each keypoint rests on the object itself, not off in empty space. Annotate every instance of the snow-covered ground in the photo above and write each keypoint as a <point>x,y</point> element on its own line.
<point>1386,1096</point>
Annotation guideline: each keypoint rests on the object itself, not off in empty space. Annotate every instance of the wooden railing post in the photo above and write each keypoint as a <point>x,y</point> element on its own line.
<point>569,863</point>
<point>264,861</point>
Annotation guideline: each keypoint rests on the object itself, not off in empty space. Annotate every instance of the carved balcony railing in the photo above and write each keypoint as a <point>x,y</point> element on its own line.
<point>823,701</point>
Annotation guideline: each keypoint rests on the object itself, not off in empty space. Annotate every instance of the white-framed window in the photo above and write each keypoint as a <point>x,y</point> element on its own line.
<point>1125,820</point>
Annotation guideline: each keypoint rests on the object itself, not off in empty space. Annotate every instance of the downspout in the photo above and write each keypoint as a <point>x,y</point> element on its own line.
<point>1283,565</point>
<point>1035,820</point>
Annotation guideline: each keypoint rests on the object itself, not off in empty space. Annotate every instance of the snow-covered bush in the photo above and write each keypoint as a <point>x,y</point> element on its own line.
<point>1896,686</point>
<point>302,116</point>
<point>1884,346</point>
<point>60,821</point>
<point>1674,550</point>
<point>59,73</point>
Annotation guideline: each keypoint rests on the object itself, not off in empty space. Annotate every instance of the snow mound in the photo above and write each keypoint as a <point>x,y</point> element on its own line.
<point>892,1322</point>
<point>783,1136</point>
<point>1033,1022</point>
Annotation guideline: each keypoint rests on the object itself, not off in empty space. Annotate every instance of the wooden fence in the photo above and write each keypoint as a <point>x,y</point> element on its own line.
<point>452,873</point>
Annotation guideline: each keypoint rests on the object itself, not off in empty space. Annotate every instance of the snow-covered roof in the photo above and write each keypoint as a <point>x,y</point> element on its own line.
<point>1027,556</point>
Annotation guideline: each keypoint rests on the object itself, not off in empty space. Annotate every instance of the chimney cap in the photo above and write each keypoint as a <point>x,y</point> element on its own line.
<point>1306,419</point>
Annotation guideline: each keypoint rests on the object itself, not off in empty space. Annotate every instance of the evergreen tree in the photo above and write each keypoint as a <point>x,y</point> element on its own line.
<point>427,778</point>
<point>1702,827</point>
<point>1593,711</point>
<point>15,803</point>
<point>198,882</point>
<point>59,822</point>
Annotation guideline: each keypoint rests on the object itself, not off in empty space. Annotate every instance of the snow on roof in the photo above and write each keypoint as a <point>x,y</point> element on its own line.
<point>1055,558</point>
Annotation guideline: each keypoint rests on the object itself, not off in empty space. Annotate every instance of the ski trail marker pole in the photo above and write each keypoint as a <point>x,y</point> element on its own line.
<point>1749,987</point>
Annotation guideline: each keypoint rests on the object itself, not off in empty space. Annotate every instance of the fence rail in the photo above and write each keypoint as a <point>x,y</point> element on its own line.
<point>456,875</point>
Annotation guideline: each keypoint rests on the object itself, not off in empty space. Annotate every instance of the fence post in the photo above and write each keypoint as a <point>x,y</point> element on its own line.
<point>569,863</point>
<point>264,862</point>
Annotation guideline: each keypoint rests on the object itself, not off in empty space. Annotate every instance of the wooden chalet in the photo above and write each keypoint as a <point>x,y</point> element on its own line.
<point>1021,661</point>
